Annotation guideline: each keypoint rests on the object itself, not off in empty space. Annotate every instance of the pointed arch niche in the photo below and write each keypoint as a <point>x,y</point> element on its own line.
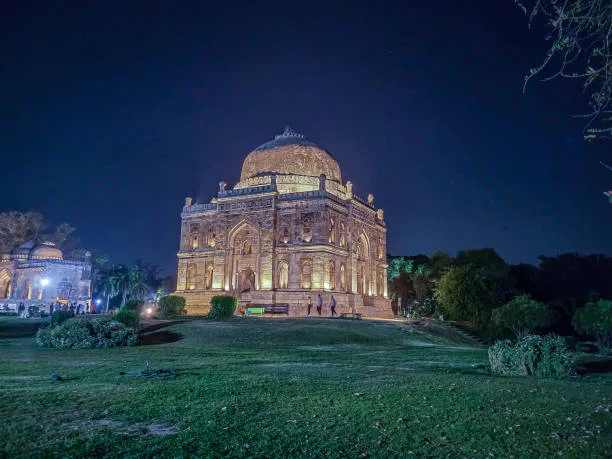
<point>243,270</point>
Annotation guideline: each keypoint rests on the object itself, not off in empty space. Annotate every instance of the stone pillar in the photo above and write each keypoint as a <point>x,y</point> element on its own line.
<point>188,201</point>
<point>349,189</point>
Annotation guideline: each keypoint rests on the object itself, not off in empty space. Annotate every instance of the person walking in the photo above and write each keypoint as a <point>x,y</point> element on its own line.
<point>332,305</point>
<point>51,309</point>
<point>319,304</point>
<point>309,305</point>
<point>21,309</point>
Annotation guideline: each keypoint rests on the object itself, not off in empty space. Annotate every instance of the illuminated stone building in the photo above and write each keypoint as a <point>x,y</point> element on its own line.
<point>38,274</point>
<point>288,230</point>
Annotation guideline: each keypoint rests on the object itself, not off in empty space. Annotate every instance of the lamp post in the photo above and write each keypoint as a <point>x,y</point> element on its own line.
<point>43,283</point>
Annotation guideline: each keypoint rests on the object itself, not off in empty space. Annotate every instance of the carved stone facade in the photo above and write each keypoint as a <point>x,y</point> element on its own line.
<point>284,234</point>
<point>36,274</point>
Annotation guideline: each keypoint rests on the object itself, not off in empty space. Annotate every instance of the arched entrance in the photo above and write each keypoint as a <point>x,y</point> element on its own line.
<point>243,266</point>
<point>5,284</point>
<point>362,259</point>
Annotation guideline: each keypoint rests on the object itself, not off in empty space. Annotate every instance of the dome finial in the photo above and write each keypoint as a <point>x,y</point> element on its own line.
<point>288,132</point>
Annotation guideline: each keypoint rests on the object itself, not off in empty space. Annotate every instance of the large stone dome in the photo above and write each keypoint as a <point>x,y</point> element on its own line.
<point>290,153</point>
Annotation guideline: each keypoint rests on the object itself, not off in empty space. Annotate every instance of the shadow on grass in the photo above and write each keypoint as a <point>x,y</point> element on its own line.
<point>160,337</point>
<point>21,328</point>
<point>158,326</point>
<point>603,365</point>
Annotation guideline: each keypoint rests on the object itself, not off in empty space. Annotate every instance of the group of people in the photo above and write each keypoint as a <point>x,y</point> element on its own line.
<point>75,308</point>
<point>332,305</point>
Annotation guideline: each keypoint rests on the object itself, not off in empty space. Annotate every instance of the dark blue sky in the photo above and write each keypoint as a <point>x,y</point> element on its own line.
<point>112,112</point>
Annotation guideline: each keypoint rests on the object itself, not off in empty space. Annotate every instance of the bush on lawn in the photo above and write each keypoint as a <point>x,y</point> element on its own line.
<point>133,305</point>
<point>595,319</point>
<point>59,317</point>
<point>83,333</point>
<point>171,305</point>
<point>129,318</point>
<point>222,307</point>
<point>521,316</point>
<point>540,356</point>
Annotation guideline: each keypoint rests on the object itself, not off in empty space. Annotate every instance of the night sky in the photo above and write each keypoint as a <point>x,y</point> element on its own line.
<point>112,112</point>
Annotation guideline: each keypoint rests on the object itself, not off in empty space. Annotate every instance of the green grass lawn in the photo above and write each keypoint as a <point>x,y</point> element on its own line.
<point>276,388</point>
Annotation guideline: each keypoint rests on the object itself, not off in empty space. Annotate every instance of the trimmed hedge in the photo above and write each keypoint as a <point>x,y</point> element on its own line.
<point>59,317</point>
<point>129,318</point>
<point>83,333</point>
<point>539,356</point>
<point>171,305</point>
<point>222,307</point>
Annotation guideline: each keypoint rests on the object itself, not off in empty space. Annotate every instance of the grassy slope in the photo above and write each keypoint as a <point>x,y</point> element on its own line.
<point>316,387</point>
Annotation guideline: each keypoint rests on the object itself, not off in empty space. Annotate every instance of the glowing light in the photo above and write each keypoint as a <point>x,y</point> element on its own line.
<point>149,310</point>
<point>44,282</point>
<point>98,302</point>
<point>266,282</point>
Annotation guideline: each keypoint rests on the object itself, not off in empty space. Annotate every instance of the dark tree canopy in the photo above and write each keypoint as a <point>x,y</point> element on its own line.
<point>17,228</point>
<point>580,36</point>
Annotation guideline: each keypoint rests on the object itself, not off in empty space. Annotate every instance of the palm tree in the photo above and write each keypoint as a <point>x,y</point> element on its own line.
<point>106,285</point>
<point>120,279</point>
<point>138,286</point>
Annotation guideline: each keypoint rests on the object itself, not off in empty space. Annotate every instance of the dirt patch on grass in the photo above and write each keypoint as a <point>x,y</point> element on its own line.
<point>342,347</point>
<point>123,428</point>
<point>295,364</point>
<point>19,378</point>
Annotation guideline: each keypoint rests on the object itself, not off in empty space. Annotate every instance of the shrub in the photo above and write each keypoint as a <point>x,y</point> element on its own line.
<point>59,317</point>
<point>82,333</point>
<point>463,294</point>
<point>133,305</point>
<point>522,315</point>
<point>532,355</point>
<point>128,318</point>
<point>171,305</point>
<point>595,319</point>
<point>222,307</point>
<point>428,307</point>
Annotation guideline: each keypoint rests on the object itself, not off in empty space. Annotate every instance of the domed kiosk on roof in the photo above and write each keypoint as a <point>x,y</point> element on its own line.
<point>23,251</point>
<point>46,251</point>
<point>289,230</point>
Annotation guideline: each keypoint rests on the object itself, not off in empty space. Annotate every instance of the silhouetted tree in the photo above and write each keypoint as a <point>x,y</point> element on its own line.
<point>438,264</point>
<point>580,37</point>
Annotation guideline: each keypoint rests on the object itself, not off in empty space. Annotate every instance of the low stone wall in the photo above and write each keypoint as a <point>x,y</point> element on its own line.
<point>198,303</point>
